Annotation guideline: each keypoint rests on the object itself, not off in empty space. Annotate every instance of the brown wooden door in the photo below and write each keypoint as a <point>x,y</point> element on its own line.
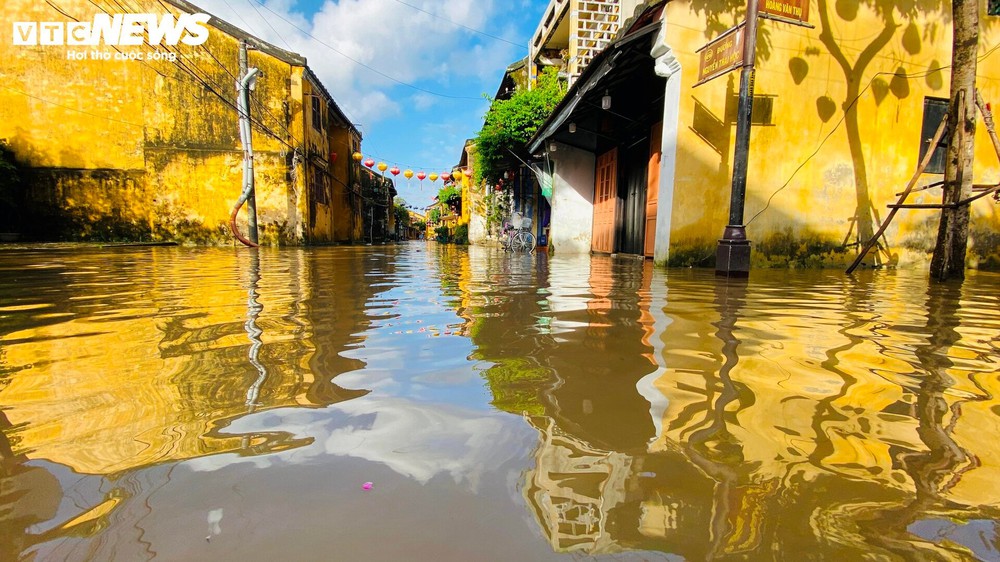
<point>605,199</point>
<point>652,186</point>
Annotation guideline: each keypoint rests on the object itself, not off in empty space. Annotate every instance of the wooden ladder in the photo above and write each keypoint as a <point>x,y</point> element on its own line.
<point>982,189</point>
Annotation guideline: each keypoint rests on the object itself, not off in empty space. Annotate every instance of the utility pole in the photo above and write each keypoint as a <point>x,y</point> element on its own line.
<point>948,260</point>
<point>247,83</point>
<point>732,258</point>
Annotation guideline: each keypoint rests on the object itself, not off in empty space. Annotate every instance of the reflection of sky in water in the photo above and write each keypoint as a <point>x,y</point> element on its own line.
<point>978,535</point>
<point>414,349</point>
<point>417,440</point>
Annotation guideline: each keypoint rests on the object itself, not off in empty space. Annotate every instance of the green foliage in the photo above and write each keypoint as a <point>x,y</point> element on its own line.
<point>420,225</point>
<point>402,215</point>
<point>434,215</point>
<point>515,384</point>
<point>451,196</point>
<point>461,234</point>
<point>442,233</point>
<point>498,206</point>
<point>511,123</point>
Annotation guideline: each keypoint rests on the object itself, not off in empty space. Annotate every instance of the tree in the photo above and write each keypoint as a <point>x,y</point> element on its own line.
<point>451,196</point>
<point>402,215</point>
<point>511,123</point>
<point>953,231</point>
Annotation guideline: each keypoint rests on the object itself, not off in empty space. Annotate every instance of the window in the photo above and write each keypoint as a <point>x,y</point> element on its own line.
<point>317,115</point>
<point>935,110</point>
<point>993,8</point>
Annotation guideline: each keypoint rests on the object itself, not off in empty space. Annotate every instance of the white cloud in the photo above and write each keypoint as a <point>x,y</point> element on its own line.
<point>415,439</point>
<point>401,43</point>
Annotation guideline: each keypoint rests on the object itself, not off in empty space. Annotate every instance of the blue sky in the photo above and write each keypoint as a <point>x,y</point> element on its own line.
<point>420,67</point>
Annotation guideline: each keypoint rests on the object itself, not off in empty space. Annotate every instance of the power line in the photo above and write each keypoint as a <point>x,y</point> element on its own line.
<point>442,18</point>
<point>71,108</point>
<point>359,63</point>
<point>844,117</point>
<point>280,36</point>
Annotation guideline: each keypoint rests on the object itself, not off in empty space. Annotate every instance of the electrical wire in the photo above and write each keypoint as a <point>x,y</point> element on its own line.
<point>844,117</point>
<point>71,108</point>
<point>279,36</point>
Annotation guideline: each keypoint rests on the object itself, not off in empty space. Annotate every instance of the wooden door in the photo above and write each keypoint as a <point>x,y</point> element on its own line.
<point>605,199</point>
<point>653,186</point>
<point>631,231</point>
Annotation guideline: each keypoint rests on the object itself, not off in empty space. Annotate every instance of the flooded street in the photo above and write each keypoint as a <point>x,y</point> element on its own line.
<point>221,404</point>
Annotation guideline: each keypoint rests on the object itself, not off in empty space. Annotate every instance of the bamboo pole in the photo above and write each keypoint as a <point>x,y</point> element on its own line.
<point>902,197</point>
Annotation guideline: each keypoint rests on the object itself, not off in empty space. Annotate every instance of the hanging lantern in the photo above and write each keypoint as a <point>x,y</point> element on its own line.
<point>333,157</point>
<point>457,174</point>
<point>369,163</point>
<point>357,156</point>
<point>433,176</point>
<point>421,176</point>
<point>394,171</point>
<point>408,174</point>
<point>445,176</point>
<point>382,166</point>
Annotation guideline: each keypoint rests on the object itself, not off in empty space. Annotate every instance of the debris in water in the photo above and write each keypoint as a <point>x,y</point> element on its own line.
<point>367,486</point>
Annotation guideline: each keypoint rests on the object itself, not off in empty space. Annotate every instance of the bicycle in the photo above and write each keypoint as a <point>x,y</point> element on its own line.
<point>517,236</point>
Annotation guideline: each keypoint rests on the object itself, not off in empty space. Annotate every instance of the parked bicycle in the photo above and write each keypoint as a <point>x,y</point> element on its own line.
<point>517,236</point>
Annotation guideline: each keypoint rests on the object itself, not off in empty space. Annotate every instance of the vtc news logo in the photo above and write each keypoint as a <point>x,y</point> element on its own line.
<point>119,29</point>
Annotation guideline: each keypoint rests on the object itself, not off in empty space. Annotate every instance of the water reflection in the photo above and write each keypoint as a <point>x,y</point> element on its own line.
<point>579,405</point>
<point>254,309</point>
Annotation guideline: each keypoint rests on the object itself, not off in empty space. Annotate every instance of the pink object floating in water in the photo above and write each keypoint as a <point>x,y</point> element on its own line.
<point>367,486</point>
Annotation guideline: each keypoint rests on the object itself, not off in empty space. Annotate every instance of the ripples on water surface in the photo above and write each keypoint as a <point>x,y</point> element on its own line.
<point>206,404</point>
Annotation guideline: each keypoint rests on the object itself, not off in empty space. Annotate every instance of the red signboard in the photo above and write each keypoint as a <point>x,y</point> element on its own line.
<point>796,10</point>
<point>720,56</point>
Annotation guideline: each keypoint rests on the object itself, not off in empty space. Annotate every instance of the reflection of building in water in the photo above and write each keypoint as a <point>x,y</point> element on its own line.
<point>573,489</point>
<point>829,434</point>
<point>570,362</point>
<point>832,434</point>
<point>130,375</point>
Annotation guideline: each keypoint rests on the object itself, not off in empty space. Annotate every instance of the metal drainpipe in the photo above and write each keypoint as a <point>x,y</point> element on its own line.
<point>243,107</point>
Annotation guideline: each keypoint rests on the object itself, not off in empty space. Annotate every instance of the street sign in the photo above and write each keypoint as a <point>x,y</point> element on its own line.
<point>723,54</point>
<point>795,10</point>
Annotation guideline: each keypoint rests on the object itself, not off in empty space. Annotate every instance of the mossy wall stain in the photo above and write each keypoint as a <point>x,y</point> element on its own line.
<point>825,163</point>
<point>129,150</point>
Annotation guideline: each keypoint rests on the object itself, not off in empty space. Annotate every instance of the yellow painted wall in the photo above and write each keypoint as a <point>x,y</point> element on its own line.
<point>347,201</point>
<point>81,405</point>
<point>145,150</point>
<point>812,209</point>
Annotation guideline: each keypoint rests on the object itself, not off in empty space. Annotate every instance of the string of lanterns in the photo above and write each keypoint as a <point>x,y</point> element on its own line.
<point>369,163</point>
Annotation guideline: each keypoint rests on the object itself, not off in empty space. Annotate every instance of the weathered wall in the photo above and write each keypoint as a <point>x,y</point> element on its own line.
<point>814,175</point>
<point>572,200</point>
<point>145,149</point>
<point>347,203</point>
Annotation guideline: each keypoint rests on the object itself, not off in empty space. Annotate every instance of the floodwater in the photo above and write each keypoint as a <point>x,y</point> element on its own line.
<point>228,404</point>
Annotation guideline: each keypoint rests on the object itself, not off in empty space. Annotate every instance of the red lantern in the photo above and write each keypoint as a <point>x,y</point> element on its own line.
<point>333,157</point>
<point>421,176</point>
<point>369,163</point>
<point>394,171</point>
<point>445,176</point>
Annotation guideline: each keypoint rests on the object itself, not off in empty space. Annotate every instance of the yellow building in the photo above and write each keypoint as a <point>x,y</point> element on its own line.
<point>643,143</point>
<point>142,142</point>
